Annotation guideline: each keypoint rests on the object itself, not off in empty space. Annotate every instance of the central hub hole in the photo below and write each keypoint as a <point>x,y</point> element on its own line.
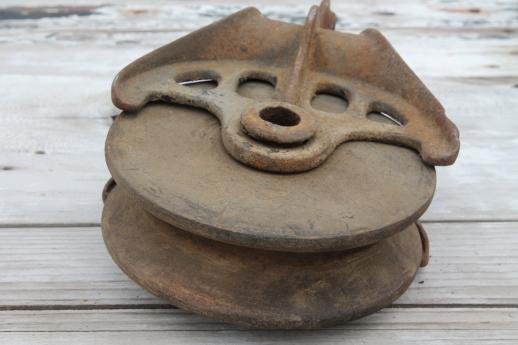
<point>280,116</point>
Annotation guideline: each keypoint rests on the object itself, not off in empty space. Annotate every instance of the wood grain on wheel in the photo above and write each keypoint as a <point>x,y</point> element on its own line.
<point>172,159</point>
<point>254,287</point>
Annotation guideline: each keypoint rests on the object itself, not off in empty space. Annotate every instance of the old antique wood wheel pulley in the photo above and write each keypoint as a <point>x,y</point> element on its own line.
<point>271,174</point>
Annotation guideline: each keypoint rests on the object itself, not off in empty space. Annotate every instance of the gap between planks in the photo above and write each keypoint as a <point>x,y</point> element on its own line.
<point>96,225</point>
<point>79,307</point>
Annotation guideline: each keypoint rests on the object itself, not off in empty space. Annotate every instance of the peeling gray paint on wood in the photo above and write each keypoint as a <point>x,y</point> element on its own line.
<point>39,12</point>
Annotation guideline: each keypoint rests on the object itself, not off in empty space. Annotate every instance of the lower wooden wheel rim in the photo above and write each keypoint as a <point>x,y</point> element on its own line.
<point>252,287</point>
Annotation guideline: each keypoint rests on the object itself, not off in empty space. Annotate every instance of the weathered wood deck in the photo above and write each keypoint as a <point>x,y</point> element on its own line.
<point>57,282</point>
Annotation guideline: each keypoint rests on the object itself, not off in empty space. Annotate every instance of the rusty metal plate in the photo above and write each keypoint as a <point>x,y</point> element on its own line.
<point>251,287</point>
<point>172,159</point>
<point>288,132</point>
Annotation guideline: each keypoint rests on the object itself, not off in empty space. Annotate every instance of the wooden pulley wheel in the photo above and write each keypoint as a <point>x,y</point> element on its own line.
<point>171,158</point>
<point>253,287</point>
<point>273,180</point>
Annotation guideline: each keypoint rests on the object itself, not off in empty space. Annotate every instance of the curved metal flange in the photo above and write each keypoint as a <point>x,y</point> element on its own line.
<point>286,133</point>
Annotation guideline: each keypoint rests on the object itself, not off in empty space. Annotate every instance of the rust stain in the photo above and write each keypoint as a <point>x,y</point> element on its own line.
<point>468,10</point>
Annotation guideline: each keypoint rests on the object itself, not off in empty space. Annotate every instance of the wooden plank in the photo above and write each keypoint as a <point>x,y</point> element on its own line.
<point>52,170</point>
<point>471,264</point>
<point>394,326</point>
<point>174,15</point>
<point>63,185</point>
<point>62,266</point>
<point>481,184</point>
<point>95,57</point>
<point>179,320</point>
<point>368,337</point>
<point>119,33</point>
